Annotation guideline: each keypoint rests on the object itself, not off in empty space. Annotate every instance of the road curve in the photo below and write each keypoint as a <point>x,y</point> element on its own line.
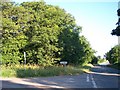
<point>100,77</point>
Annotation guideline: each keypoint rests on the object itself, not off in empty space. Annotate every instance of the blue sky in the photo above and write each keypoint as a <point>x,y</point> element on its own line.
<point>96,17</point>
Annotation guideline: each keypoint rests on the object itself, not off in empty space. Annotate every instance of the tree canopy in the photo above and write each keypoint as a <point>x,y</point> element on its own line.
<point>113,55</point>
<point>117,30</point>
<point>46,33</point>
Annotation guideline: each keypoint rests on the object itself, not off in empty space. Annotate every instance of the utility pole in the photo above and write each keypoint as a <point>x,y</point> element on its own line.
<point>117,30</point>
<point>119,22</point>
<point>119,35</point>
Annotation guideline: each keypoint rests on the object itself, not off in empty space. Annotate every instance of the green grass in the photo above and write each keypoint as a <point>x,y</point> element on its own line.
<point>39,71</point>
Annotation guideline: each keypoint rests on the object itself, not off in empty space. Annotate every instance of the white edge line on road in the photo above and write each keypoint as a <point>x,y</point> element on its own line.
<point>106,74</point>
<point>87,79</point>
<point>93,82</point>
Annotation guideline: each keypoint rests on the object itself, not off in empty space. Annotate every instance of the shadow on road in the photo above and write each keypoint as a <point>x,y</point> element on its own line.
<point>9,84</point>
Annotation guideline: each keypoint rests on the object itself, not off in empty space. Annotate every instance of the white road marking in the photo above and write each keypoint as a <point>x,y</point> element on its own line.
<point>88,79</point>
<point>93,82</point>
<point>109,74</point>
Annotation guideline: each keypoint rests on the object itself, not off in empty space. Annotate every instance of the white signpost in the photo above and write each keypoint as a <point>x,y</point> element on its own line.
<point>64,63</point>
<point>24,59</point>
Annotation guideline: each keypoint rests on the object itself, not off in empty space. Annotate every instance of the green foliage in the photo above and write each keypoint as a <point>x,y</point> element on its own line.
<point>116,31</point>
<point>113,56</point>
<point>46,33</point>
<point>95,60</point>
<point>98,60</point>
<point>102,60</point>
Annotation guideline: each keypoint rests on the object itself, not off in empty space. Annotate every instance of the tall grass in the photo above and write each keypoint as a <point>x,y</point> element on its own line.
<point>39,71</point>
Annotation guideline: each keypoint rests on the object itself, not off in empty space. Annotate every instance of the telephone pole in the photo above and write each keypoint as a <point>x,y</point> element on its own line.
<point>119,22</point>
<point>117,30</point>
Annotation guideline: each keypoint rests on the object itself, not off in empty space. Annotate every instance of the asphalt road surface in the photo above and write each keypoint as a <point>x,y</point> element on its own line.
<point>100,77</point>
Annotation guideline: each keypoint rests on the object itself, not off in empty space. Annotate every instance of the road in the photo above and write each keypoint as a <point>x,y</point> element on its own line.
<point>99,77</point>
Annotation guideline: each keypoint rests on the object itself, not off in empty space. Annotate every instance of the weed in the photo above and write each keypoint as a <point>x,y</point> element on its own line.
<point>38,71</point>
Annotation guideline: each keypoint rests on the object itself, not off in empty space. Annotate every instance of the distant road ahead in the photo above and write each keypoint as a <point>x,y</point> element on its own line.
<point>100,77</point>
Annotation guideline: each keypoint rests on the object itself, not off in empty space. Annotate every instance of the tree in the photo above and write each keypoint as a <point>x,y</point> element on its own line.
<point>10,49</point>
<point>113,55</point>
<point>95,60</point>
<point>46,33</point>
<point>117,30</point>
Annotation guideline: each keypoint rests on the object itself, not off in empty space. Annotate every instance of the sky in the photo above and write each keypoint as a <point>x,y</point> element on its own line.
<point>96,17</point>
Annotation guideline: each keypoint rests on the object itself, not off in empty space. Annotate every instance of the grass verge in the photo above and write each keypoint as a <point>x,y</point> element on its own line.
<point>39,71</point>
